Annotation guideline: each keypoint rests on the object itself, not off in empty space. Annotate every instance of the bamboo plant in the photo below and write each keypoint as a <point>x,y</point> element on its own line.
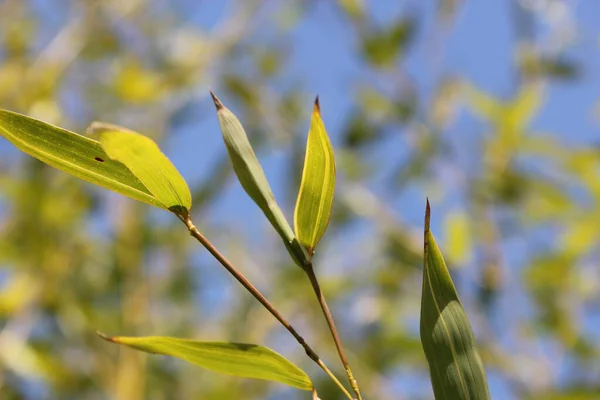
<point>133,165</point>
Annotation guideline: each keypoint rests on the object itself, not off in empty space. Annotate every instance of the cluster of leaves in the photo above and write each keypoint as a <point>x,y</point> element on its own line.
<point>65,269</point>
<point>133,165</point>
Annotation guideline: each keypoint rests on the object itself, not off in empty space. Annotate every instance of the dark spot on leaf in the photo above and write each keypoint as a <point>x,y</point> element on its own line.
<point>98,159</point>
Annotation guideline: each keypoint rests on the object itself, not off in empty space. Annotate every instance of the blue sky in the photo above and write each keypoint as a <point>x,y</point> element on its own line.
<point>479,46</point>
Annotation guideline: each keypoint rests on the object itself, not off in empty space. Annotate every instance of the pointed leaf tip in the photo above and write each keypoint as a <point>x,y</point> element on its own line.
<point>456,369</point>
<point>315,197</point>
<point>105,337</point>
<point>317,106</point>
<point>238,359</point>
<point>427,215</point>
<point>216,100</point>
<point>253,179</point>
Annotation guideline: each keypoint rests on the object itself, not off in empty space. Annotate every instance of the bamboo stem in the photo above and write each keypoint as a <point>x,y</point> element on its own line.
<point>260,297</point>
<point>331,323</point>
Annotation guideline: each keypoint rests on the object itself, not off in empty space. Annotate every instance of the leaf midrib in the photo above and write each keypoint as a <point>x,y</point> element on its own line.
<point>100,177</point>
<point>445,327</point>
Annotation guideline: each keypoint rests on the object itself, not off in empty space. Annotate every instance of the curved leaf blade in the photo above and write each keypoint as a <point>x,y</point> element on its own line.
<point>253,179</point>
<point>147,162</point>
<point>72,153</point>
<point>455,367</point>
<point>315,198</point>
<point>238,359</point>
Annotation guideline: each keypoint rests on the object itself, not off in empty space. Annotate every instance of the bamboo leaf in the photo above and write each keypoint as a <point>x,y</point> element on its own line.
<point>313,207</point>
<point>514,114</point>
<point>524,106</point>
<point>239,359</point>
<point>145,160</point>
<point>252,178</point>
<point>458,238</point>
<point>72,153</point>
<point>484,105</point>
<point>455,367</point>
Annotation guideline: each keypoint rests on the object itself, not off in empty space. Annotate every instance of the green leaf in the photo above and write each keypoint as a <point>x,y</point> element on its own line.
<point>355,9</point>
<point>580,235</point>
<point>484,105</point>
<point>313,207</point>
<point>524,106</point>
<point>252,178</point>
<point>455,367</point>
<point>513,114</point>
<point>243,360</point>
<point>458,238</point>
<point>72,153</point>
<point>145,160</point>
<point>382,46</point>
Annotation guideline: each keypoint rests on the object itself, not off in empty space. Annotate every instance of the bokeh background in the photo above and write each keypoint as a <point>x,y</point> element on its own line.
<point>490,108</point>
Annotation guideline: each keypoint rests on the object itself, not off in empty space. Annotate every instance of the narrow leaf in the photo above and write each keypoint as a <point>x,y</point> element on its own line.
<point>239,359</point>
<point>455,367</point>
<point>252,178</point>
<point>525,105</point>
<point>313,207</point>
<point>145,160</point>
<point>484,105</point>
<point>72,153</point>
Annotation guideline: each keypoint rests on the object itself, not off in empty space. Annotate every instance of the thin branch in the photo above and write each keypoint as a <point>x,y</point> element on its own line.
<point>330,322</point>
<point>260,297</point>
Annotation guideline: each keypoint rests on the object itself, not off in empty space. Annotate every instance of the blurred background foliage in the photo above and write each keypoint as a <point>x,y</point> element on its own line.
<point>489,108</point>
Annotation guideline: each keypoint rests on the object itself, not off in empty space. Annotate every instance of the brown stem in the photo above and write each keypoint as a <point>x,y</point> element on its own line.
<point>336,337</point>
<point>260,297</point>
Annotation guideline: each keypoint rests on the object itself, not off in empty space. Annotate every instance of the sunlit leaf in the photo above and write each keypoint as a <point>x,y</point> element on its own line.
<point>574,393</point>
<point>136,84</point>
<point>252,178</point>
<point>239,359</point>
<point>315,197</point>
<point>546,200</point>
<point>455,367</point>
<point>482,104</point>
<point>382,46</point>
<point>543,145</point>
<point>512,115</point>
<point>355,9</point>
<point>549,272</point>
<point>17,293</point>
<point>145,160</point>
<point>524,106</point>
<point>18,355</point>
<point>458,238</point>
<point>583,164</point>
<point>580,236</point>
<point>72,153</point>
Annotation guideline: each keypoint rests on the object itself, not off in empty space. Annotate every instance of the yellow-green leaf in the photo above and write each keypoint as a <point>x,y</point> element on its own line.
<point>524,106</point>
<point>458,238</point>
<point>239,359</point>
<point>252,178</point>
<point>355,9</point>
<point>313,207</point>
<point>72,153</point>
<point>145,160</point>
<point>580,235</point>
<point>483,104</point>
<point>455,367</point>
<point>515,113</point>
